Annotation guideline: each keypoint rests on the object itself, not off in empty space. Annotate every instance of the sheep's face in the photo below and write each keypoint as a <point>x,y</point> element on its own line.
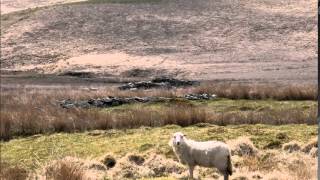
<point>178,138</point>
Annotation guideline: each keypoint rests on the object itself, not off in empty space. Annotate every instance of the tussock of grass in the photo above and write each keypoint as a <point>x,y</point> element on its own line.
<point>291,147</point>
<point>72,168</point>
<point>64,170</point>
<point>313,143</point>
<point>243,147</point>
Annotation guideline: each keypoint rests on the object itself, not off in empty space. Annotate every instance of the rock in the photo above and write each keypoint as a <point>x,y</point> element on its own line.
<point>200,96</point>
<point>83,104</point>
<point>175,82</point>
<point>158,83</point>
<point>96,102</point>
<point>68,106</point>
<point>68,103</point>
<point>117,101</point>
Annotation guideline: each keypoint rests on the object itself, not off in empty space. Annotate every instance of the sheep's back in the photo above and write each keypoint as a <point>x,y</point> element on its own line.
<point>210,153</point>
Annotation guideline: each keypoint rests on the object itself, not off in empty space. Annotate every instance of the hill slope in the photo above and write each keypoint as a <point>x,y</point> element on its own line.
<point>200,39</point>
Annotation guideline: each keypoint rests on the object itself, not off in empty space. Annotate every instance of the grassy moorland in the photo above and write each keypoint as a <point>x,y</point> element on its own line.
<point>270,128</point>
<point>92,144</point>
<point>34,152</point>
<point>36,131</point>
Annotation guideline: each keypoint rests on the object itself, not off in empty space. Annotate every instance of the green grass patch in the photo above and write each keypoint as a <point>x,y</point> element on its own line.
<point>227,105</point>
<point>34,151</point>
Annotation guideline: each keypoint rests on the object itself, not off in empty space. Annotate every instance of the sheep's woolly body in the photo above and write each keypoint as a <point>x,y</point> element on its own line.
<point>206,154</point>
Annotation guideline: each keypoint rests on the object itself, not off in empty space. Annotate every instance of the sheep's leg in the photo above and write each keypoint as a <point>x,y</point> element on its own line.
<point>191,168</point>
<point>225,176</point>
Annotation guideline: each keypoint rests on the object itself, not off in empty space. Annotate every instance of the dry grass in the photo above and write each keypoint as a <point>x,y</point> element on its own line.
<point>291,146</point>
<point>242,147</point>
<point>8,172</point>
<point>29,122</point>
<point>277,165</point>
<point>260,91</point>
<point>313,143</point>
<point>268,165</point>
<point>65,171</point>
<point>71,168</point>
<point>144,153</point>
<point>28,111</point>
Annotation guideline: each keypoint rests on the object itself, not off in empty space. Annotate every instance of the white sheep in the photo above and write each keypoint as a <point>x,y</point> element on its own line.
<point>207,154</point>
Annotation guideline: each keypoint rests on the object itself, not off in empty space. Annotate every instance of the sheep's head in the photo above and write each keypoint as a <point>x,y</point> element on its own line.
<point>177,139</point>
